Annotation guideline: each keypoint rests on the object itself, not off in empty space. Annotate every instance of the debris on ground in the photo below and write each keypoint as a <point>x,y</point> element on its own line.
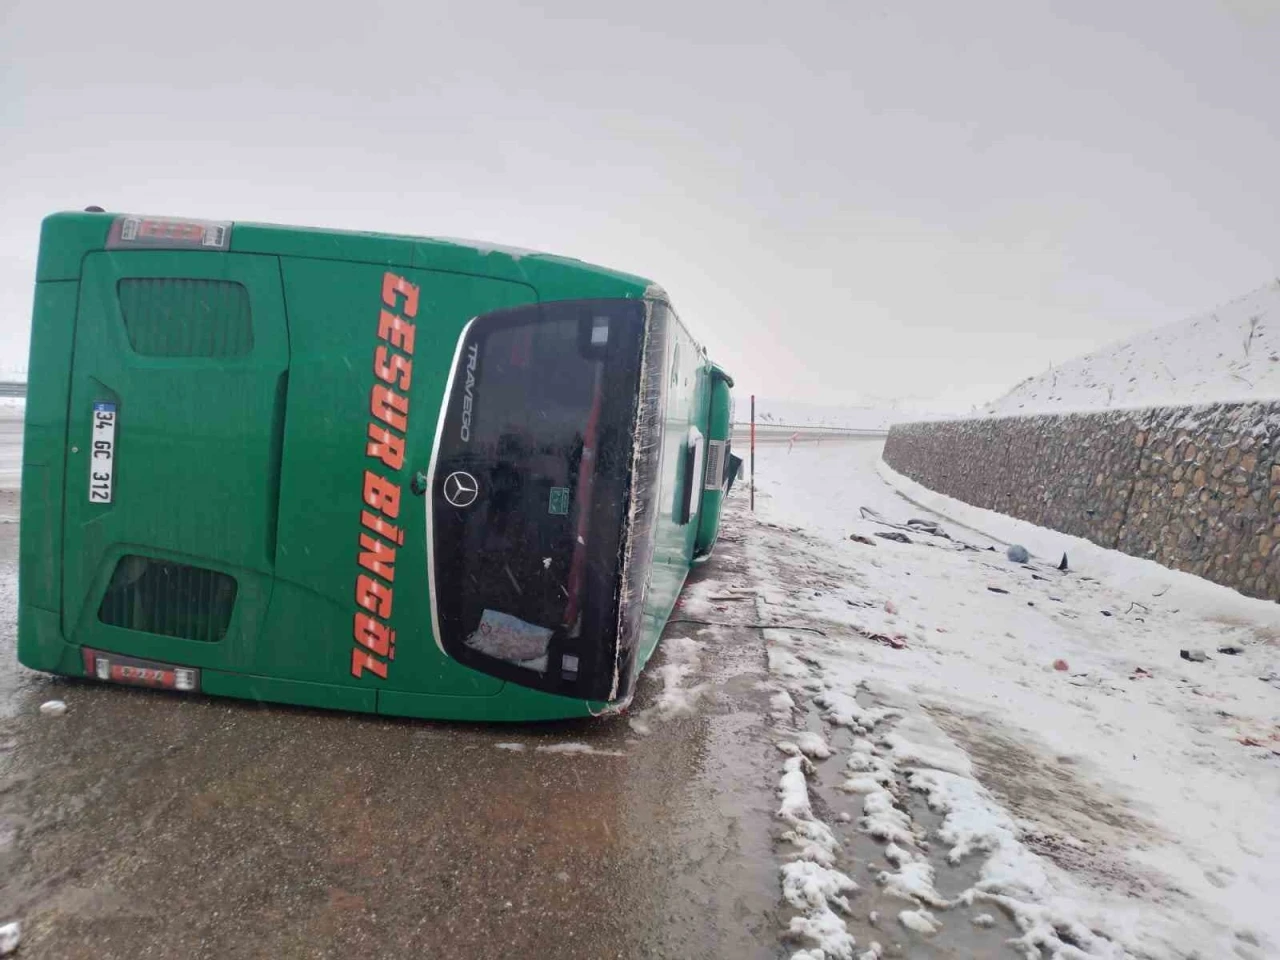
<point>890,607</point>
<point>1106,613</point>
<point>997,589</point>
<point>1061,666</point>
<point>1139,673</point>
<point>1018,553</point>
<point>929,527</point>
<point>53,708</point>
<point>1195,656</point>
<point>1063,564</point>
<point>859,538</point>
<point>896,537</point>
<point>1251,742</point>
<point>10,937</point>
<point>1231,650</point>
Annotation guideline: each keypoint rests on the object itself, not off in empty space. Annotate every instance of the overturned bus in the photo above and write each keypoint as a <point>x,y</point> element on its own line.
<point>380,473</point>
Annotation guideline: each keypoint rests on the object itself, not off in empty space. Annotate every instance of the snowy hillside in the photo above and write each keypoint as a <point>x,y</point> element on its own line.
<point>1232,353</point>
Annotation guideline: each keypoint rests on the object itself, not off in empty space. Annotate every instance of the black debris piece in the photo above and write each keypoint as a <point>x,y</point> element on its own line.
<point>894,536</point>
<point>1231,650</point>
<point>997,589</point>
<point>1063,564</point>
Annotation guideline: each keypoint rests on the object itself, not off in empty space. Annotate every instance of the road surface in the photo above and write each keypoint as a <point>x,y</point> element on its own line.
<point>142,824</point>
<point>861,748</point>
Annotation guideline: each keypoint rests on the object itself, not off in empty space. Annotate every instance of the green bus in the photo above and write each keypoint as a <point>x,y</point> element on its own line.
<point>401,475</point>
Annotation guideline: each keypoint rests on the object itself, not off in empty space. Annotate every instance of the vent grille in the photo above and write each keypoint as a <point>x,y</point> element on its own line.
<point>715,464</point>
<point>170,599</point>
<point>177,317</point>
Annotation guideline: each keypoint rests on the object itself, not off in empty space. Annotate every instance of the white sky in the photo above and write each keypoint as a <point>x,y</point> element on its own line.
<point>847,201</point>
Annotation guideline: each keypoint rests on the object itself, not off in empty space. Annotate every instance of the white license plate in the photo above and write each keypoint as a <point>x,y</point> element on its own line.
<point>102,452</point>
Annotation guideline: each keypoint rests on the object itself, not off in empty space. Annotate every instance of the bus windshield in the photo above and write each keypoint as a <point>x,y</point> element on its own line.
<point>530,493</point>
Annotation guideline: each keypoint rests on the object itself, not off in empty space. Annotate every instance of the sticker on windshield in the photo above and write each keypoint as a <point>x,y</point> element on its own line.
<point>558,504</point>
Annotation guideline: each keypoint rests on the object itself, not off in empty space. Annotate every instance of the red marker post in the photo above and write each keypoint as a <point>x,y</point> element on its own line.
<point>753,453</point>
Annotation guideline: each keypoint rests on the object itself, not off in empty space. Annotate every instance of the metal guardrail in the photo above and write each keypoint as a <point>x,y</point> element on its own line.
<point>13,388</point>
<point>784,430</point>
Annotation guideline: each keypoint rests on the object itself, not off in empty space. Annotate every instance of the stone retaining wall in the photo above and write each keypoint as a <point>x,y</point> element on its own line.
<point>1193,488</point>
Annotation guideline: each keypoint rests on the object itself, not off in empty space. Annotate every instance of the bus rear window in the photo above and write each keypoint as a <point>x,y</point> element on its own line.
<point>530,493</point>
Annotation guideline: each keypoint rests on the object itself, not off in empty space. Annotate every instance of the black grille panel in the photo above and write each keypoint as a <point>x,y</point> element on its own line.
<point>170,599</point>
<point>177,317</point>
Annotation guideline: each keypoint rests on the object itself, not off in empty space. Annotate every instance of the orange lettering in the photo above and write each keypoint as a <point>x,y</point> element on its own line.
<point>393,284</point>
<point>386,446</point>
<point>397,332</point>
<point>389,407</point>
<point>387,364</point>
<point>382,494</point>
<point>374,634</point>
<point>388,530</point>
<point>378,557</point>
<point>362,660</point>
<point>373,595</point>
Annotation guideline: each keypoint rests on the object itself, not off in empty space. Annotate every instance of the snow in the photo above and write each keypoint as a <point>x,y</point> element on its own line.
<point>578,748</point>
<point>53,708</point>
<point>10,938</point>
<point>513,747</point>
<point>921,921</point>
<point>1109,813</point>
<point>871,414</point>
<point>681,658</point>
<point>812,744</point>
<point>1229,354</point>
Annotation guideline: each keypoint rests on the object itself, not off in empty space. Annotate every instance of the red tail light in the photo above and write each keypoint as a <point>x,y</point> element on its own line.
<point>114,668</point>
<point>158,233</point>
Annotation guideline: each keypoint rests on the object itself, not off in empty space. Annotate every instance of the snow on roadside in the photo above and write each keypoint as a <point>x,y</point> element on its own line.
<point>681,658</point>
<point>574,747</point>
<point>1091,804</point>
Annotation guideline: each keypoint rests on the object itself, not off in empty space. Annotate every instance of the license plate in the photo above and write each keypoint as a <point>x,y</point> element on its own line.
<point>102,452</point>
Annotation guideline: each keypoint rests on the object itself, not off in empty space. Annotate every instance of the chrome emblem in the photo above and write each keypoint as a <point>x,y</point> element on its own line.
<point>461,489</point>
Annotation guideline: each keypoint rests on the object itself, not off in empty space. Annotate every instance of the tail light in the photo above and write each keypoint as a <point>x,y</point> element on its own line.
<point>115,668</point>
<point>161,233</point>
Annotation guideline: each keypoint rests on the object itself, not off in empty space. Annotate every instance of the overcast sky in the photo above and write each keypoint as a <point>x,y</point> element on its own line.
<point>846,201</point>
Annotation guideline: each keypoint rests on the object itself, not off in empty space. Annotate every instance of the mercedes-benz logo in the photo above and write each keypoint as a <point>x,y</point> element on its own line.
<point>461,489</point>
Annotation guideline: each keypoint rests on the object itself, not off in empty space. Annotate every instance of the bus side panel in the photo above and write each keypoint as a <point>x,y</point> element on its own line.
<point>673,552</point>
<point>514,703</point>
<point>41,645</point>
<point>335,314</point>
<point>718,432</point>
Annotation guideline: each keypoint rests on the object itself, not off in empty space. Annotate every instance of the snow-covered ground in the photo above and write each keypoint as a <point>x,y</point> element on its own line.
<point>868,416</point>
<point>985,758</point>
<point>1232,353</point>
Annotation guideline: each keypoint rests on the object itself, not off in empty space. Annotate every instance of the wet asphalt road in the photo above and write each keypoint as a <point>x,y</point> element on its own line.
<point>145,824</point>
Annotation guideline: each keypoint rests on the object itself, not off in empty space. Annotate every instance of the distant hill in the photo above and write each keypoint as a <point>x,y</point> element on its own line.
<point>1230,354</point>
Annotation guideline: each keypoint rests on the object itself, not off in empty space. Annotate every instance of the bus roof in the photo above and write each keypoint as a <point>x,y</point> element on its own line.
<point>67,237</point>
